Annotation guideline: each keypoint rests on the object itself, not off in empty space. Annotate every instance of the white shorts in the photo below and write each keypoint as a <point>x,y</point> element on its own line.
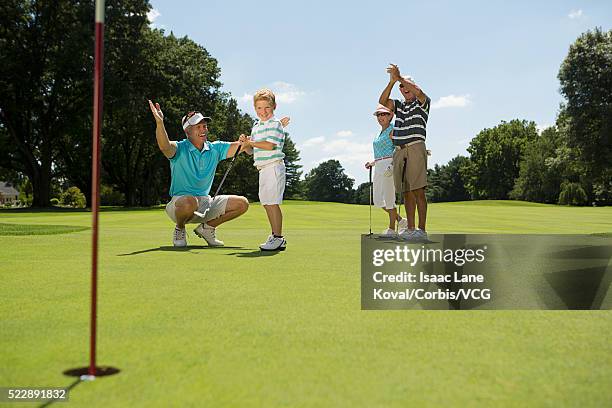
<point>217,208</point>
<point>384,189</point>
<point>272,183</point>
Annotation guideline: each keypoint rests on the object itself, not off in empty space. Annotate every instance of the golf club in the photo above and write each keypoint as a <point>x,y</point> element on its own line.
<point>203,215</point>
<point>370,198</point>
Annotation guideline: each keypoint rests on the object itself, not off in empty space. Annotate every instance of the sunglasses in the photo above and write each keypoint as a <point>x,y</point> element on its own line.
<point>382,114</point>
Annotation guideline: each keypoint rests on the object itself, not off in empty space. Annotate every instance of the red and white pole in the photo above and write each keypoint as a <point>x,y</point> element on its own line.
<point>95,175</point>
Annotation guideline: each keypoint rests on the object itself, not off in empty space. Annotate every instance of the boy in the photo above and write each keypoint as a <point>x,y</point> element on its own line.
<point>266,143</point>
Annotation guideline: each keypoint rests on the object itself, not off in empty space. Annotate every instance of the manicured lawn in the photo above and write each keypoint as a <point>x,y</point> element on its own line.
<point>234,327</point>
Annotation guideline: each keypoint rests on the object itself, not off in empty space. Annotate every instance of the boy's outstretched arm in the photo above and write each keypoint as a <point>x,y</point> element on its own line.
<point>262,145</point>
<point>167,147</point>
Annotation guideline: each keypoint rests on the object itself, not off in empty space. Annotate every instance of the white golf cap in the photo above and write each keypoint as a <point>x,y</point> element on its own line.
<point>193,118</point>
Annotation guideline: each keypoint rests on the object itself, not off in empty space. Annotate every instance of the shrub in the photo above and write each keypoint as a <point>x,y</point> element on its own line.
<point>73,198</point>
<point>110,196</point>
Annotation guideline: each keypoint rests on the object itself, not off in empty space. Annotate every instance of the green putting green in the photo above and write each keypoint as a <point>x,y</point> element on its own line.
<point>236,327</point>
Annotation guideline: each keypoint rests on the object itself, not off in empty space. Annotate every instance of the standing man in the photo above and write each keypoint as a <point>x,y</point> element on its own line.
<point>410,156</point>
<point>193,162</point>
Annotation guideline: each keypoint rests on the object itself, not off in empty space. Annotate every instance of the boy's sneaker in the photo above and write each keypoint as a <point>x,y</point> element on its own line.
<point>274,244</point>
<point>180,237</point>
<point>402,224</point>
<point>207,233</point>
<point>388,233</point>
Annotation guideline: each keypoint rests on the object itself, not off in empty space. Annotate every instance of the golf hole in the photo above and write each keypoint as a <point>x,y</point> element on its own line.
<point>101,371</point>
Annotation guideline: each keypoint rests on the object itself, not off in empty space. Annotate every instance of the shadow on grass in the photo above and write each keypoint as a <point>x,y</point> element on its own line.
<point>254,254</point>
<point>394,240</point>
<point>68,389</point>
<point>179,249</point>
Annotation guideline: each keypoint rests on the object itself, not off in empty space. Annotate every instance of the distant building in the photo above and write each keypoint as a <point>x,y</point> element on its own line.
<point>8,194</point>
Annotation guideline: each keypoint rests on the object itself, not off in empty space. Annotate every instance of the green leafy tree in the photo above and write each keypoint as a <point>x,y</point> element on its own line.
<point>572,194</point>
<point>328,182</point>
<point>362,194</point>
<point>495,156</point>
<point>294,187</point>
<point>45,78</point>
<point>546,164</point>
<point>586,81</point>
<point>447,182</point>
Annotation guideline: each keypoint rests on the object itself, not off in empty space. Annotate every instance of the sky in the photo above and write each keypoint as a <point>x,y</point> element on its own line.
<point>480,62</point>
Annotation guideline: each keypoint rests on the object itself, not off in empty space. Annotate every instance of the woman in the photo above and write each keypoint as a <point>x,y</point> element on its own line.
<point>384,190</point>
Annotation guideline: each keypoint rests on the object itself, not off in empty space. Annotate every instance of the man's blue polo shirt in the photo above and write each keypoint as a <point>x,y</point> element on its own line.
<point>193,170</point>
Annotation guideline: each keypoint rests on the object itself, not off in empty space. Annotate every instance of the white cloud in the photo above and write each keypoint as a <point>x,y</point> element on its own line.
<point>574,14</point>
<point>541,127</point>
<point>153,14</point>
<point>452,101</point>
<point>348,152</point>
<point>344,133</point>
<point>286,92</point>
<point>312,142</point>
<point>247,97</point>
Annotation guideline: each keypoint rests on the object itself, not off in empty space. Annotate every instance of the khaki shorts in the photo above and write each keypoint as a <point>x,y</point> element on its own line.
<point>217,208</point>
<point>415,174</point>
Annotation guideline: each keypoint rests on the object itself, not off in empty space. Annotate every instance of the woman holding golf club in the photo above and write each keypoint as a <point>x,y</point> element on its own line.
<point>384,189</point>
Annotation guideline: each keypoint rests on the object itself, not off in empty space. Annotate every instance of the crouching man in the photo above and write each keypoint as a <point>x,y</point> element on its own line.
<point>193,162</point>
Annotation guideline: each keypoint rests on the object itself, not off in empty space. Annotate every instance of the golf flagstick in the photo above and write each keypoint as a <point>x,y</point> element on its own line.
<point>203,215</point>
<point>95,177</point>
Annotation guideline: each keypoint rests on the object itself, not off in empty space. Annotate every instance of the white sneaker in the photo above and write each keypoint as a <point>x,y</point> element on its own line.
<point>207,233</point>
<point>408,234</point>
<point>421,235</point>
<point>274,244</point>
<point>388,233</point>
<point>180,237</point>
<point>402,224</point>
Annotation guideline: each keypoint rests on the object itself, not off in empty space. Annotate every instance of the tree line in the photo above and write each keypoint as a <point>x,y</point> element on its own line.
<point>46,93</point>
<point>567,163</point>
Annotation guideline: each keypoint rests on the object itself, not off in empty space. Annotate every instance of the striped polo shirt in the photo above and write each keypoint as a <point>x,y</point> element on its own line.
<point>383,148</point>
<point>272,131</point>
<point>410,121</point>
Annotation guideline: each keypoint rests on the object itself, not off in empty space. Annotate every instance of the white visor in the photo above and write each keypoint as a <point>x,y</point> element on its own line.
<point>194,120</point>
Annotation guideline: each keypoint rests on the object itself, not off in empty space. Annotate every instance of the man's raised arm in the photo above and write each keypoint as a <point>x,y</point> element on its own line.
<point>384,96</point>
<point>167,147</point>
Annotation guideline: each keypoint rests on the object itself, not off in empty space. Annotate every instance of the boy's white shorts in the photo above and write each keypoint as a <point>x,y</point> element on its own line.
<point>272,183</point>
<point>384,189</point>
<point>217,208</point>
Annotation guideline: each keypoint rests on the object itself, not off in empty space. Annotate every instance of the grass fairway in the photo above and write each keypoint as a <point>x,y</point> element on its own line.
<point>230,327</point>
